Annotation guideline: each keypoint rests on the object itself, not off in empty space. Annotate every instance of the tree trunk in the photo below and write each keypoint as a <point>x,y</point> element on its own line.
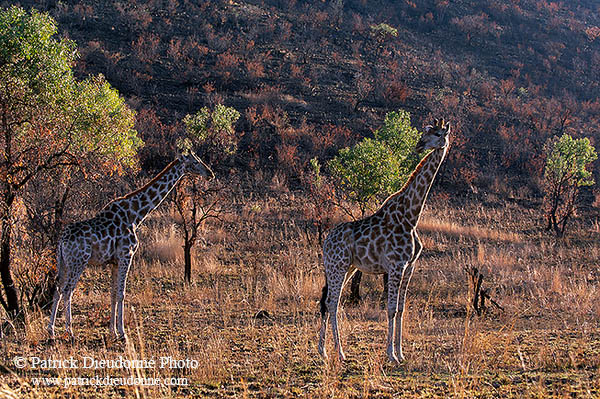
<point>355,287</point>
<point>10,290</point>
<point>45,298</point>
<point>187,256</point>
<point>384,293</point>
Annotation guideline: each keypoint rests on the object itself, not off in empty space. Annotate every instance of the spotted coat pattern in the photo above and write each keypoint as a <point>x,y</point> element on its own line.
<point>110,238</point>
<point>385,242</point>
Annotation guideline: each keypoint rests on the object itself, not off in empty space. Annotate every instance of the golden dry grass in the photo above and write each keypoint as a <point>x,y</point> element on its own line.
<point>250,317</point>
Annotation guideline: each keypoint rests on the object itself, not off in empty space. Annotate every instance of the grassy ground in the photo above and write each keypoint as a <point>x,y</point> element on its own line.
<point>250,317</point>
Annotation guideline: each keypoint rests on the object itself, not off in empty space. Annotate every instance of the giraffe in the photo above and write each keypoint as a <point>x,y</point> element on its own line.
<point>110,238</point>
<point>385,242</point>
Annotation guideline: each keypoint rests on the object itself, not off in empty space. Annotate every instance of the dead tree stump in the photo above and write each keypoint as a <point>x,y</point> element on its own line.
<point>479,295</point>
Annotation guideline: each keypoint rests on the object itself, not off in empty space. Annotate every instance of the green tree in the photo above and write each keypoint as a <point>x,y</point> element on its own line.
<point>384,30</point>
<point>376,167</point>
<point>215,131</point>
<point>49,120</point>
<point>565,172</point>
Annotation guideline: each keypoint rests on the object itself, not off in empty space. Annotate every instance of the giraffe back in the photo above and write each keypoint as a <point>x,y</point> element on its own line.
<point>370,244</point>
<point>97,240</point>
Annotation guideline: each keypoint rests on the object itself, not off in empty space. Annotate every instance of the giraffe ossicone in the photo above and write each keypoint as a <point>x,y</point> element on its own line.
<point>385,242</point>
<point>110,238</point>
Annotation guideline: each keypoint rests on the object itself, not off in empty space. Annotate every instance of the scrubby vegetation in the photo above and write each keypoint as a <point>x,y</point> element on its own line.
<point>269,92</point>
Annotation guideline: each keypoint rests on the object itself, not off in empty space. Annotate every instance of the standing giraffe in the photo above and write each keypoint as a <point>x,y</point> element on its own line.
<point>385,242</point>
<point>110,238</point>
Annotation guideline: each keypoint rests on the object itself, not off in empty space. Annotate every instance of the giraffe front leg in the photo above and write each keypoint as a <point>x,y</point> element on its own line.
<point>68,294</point>
<point>323,335</point>
<point>402,301</point>
<point>123,270</point>
<point>113,300</point>
<point>406,276</point>
<point>392,308</point>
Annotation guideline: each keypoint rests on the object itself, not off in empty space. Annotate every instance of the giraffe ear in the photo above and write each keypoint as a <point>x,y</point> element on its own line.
<point>447,128</point>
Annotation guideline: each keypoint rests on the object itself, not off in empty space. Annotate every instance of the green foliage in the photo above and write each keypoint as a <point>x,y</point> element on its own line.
<point>34,63</point>
<point>378,166</point>
<point>47,109</point>
<point>215,127</point>
<point>384,30</point>
<point>565,171</point>
<point>398,134</point>
<point>316,169</point>
<point>568,159</point>
<point>103,112</point>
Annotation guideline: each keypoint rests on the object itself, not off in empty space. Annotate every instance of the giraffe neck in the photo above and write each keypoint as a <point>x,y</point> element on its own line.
<point>139,203</point>
<point>411,198</point>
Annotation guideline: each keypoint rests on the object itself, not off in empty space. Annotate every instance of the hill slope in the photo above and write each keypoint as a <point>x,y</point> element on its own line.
<point>508,75</point>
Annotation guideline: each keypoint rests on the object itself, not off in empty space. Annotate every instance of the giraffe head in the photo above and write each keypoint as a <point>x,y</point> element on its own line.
<point>435,136</point>
<point>193,164</point>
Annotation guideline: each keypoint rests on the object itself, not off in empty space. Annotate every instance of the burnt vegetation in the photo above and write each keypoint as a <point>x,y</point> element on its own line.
<point>508,75</point>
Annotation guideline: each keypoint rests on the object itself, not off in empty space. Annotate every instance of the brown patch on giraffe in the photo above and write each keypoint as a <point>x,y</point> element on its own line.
<point>151,182</point>
<point>412,177</point>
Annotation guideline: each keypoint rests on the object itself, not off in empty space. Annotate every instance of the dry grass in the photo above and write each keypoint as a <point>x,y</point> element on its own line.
<point>545,344</point>
<point>446,227</point>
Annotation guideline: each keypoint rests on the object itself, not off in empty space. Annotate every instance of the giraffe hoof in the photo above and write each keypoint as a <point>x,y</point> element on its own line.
<point>393,357</point>
<point>399,354</point>
<point>323,352</point>
<point>396,359</point>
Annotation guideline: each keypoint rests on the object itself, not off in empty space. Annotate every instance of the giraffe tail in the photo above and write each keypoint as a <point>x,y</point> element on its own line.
<point>323,300</point>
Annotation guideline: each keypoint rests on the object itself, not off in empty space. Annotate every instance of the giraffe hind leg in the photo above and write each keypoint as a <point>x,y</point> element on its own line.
<point>336,282</point>
<point>55,302</point>
<point>60,282</point>
<point>72,278</point>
